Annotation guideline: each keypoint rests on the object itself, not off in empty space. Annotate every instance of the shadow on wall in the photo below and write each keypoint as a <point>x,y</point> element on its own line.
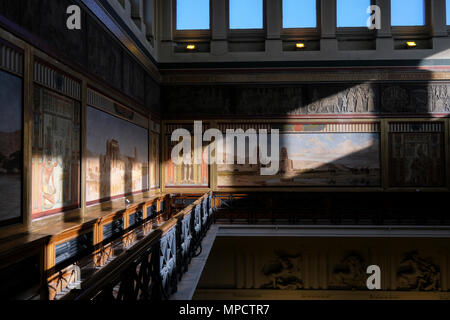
<point>319,152</point>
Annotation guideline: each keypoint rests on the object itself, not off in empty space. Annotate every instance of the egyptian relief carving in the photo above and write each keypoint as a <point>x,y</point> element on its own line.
<point>284,272</point>
<point>439,98</point>
<point>356,99</point>
<point>269,101</point>
<point>350,273</point>
<point>418,273</point>
<point>419,98</point>
<point>204,100</point>
<point>302,99</point>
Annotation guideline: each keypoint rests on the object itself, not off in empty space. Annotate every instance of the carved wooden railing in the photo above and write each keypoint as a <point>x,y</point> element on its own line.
<point>365,208</point>
<point>82,250</point>
<point>149,268</point>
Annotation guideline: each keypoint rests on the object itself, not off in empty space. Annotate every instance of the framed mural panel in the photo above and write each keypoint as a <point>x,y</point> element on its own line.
<point>184,175</point>
<point>56,153</point>
<point>155,152</point>
<point>116,149</point>
<point>11,147</point>
<point>417,154</point>
<point>314,154</point>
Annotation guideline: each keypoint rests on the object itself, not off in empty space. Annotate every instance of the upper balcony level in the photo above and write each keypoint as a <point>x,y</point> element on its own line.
<point>285,32</point>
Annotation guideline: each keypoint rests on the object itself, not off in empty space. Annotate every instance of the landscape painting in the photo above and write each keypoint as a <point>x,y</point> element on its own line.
<point>117,157</point>
<point>185,175</point>
<point>10,147</point>
<point>56,153</point>
<point>154,161</point>
<point>314,159</point>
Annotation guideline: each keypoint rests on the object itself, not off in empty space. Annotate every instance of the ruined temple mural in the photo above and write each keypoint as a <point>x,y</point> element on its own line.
<point>10,146</point>
<point>417,155</point>
<point>154,155</point>
<point>315,155</point>
<point>116,156</point>
<point>56,153</point>
<point>185,175</point>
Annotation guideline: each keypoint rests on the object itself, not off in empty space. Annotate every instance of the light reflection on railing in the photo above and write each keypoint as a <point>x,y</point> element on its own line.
<point>151,267</point>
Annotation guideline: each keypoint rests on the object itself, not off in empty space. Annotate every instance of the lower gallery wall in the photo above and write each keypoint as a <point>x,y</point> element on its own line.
<point>293,267</point>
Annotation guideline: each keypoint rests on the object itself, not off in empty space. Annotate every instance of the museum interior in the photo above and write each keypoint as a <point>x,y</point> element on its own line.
<point>349,171</point>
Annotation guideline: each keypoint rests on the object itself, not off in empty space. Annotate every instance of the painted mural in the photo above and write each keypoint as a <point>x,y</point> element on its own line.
<point>185,175</point>
<point>56,153</point>
<point>314,159</point>
<point>417,159</point>
<point>117,157</point>
<point>10,147</point>
<point>154,161</point>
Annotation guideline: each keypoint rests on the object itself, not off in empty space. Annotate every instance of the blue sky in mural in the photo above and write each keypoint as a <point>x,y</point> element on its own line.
<point>338,148</point>
<point>408,12</point>
<point>299,14</point>
<point>11,107</point>
<point>101,127</point>
<point>448,12</point>
<point>246,14</point>
<point>352,13</point>
<point>192,15</point>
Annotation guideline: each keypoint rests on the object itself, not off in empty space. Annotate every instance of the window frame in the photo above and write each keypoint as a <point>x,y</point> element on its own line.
<point>400,32</point>
<point>247,33</point>
<point>314,33</point>
<point>357,32</point>
<point>194,34</point>
<point>447,18</point>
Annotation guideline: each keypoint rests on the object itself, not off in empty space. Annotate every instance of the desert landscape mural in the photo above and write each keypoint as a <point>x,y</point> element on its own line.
<point>314,159</point>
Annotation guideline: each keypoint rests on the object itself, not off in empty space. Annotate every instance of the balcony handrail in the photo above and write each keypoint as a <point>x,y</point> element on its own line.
<point>114,269</point>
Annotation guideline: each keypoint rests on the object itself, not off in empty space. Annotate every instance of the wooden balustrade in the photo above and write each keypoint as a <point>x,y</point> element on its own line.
<point>149,267</point>
<point>364,208</point>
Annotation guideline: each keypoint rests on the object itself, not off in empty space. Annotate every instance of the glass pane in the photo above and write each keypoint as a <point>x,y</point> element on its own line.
<point>299,14</point>
<point>192,15</point>
<point>352,13</point>
<point>10,147</point>
<point>246,14</point>
<point>408,12</point>
<point>448,12</point>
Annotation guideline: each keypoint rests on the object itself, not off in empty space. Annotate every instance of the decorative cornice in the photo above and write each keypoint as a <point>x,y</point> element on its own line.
<point>304,75</point>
